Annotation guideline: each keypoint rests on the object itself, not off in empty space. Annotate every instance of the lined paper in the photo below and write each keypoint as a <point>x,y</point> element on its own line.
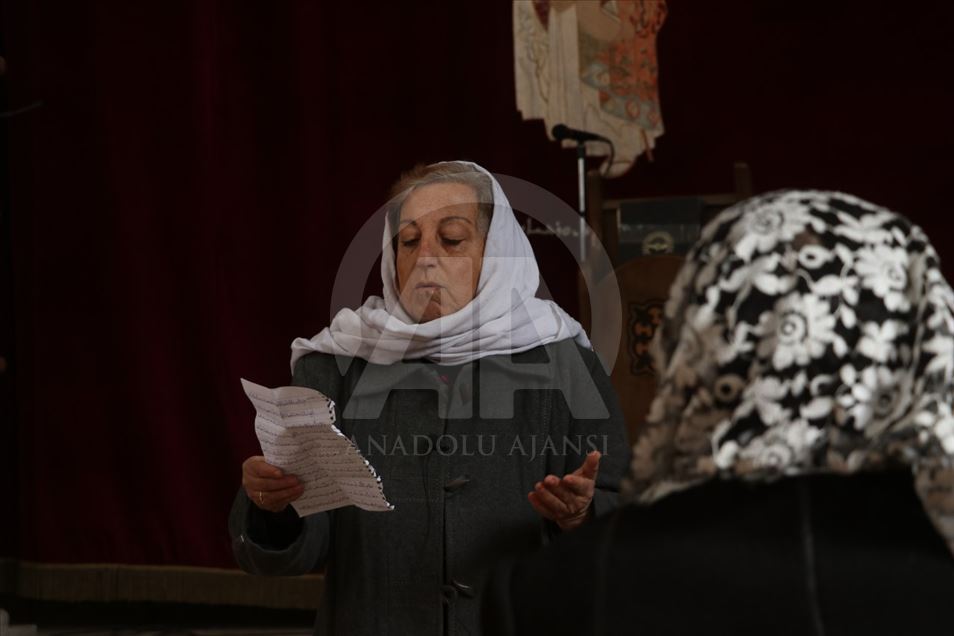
<point>296,429</point>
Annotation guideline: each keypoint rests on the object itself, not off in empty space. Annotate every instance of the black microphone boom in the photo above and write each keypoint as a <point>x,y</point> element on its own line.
<point>562,131</point>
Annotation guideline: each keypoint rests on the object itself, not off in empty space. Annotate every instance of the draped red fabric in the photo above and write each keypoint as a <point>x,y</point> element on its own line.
<point>179,204</point>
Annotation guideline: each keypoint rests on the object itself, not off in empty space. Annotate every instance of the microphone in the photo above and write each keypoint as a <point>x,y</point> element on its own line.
<point>562,131</point>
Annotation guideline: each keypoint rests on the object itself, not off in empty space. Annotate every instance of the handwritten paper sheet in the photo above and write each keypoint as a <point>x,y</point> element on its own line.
<point>296,428</point>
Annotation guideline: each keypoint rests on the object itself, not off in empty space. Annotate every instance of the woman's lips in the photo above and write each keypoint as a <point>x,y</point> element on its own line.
<point>428,286</point>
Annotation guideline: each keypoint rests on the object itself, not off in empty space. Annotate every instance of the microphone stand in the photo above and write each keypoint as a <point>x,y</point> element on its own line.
<point>562,132</point>
<point>581,188</point>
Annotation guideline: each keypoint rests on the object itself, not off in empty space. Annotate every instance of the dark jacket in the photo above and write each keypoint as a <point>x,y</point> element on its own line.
<point>824,555</point>
<point>457,449</point>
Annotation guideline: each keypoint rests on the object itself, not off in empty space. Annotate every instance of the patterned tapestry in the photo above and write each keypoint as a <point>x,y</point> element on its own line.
<point>591,65</point>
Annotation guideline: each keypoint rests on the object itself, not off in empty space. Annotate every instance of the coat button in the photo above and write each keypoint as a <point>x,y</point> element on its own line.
<point>465,590</point>
<point>456,483</point>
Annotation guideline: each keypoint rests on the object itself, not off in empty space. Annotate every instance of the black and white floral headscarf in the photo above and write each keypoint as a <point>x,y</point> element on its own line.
<point>807,332</point>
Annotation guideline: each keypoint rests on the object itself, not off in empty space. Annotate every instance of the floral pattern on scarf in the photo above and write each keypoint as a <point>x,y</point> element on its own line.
<point>807,332</point>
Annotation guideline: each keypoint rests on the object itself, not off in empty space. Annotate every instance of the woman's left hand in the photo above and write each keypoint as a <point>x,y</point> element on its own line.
<point>566,501</point>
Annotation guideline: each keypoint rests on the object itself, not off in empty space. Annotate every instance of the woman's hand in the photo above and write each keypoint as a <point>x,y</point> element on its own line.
<point>267,486</point>
<point>566,501</point>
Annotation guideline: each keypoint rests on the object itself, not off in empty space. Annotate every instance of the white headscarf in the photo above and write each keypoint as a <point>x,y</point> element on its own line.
<point>504,316</point>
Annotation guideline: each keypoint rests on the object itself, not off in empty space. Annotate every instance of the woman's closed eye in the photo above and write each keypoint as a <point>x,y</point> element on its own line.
<point>447,241</point>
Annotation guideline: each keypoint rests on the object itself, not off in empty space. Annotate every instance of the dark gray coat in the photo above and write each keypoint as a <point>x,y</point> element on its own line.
<point>457,449</point>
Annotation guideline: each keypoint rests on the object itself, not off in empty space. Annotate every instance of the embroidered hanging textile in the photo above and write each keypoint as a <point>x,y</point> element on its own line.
<point>591,65</point>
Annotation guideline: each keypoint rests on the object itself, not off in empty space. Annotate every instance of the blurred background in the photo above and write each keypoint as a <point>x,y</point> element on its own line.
<point>181,179</point>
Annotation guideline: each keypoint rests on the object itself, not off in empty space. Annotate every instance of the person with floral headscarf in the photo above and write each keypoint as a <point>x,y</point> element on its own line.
<point>796,471</point>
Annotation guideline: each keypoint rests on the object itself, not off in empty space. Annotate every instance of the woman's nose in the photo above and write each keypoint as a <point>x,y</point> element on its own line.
<point>428,248</point>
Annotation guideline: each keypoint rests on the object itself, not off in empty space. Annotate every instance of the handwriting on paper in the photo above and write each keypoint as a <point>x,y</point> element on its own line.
<point>296,429</point>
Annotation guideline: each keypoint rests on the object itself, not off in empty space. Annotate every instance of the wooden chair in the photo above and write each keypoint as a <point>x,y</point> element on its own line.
<point>641,285</point>
<point>639,289</point>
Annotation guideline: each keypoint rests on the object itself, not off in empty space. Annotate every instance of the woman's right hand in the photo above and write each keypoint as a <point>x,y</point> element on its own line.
<point>267,486</point>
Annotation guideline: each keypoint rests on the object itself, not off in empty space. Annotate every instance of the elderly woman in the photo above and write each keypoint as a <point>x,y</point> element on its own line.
<point>795,475</point>
<point>483,409</point>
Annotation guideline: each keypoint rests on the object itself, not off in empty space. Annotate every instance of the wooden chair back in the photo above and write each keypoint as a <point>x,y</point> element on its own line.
<point>642,286</point>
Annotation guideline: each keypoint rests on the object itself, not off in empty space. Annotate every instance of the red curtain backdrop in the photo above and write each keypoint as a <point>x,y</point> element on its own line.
<point>179,204</point>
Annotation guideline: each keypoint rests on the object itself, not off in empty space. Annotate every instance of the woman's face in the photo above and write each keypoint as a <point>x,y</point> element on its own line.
<point>439,250</point>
